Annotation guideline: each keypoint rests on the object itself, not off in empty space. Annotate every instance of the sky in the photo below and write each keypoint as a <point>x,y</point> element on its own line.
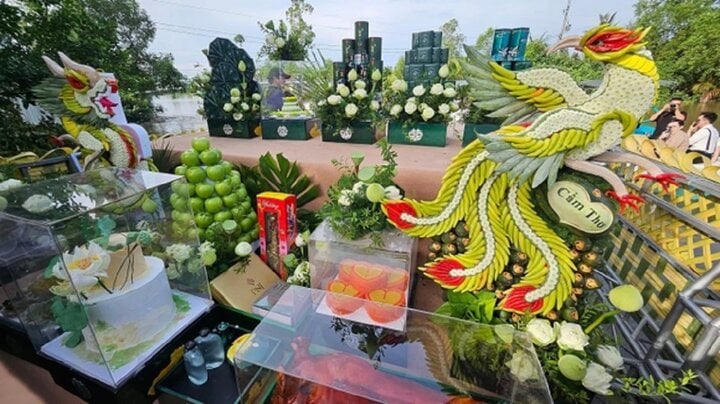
<point>185,27</point>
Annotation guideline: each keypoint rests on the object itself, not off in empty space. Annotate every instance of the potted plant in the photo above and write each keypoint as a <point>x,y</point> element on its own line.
<point>420,115</point>
<point>350,112</point>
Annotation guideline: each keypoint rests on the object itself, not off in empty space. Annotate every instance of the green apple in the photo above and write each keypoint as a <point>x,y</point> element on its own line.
<point>241,192</point>
<point>252,216</point>
<point>197,204</point>
<point>223,188</point>
<point>237,213</point>
<point>246,238</point>
<point>192,233</point>
<point>178,202</point>
<point>247,224</point>
<point>201,233</point>
<point>222,216</point>
<point>203,219</point>
<point>204,191</point>
<point>200,144</point>
<point>191,189</point>
<point>214,204</point>
<point>180,170</point>
<point>190,158</point>
<point>254,233</point>
<point>179,187</point>
<point>149,206</point>
<point>211,157</point>
<point>230,200</point>
<point>227,166</point>
<point>175,215</point>
<point>195,175</point>
<point>216,172</point>
<point>185,218</point>
<point>177,228</point>
<point>235,181</point>
<point>246,205</point>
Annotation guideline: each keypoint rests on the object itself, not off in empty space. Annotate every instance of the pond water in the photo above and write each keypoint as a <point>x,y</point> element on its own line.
<point>179,114</point>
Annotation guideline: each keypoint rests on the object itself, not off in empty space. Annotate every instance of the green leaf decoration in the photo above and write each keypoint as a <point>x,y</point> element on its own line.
<point>106,225</point>
<point>47,274</point>
<point>181,304</point>
<point>224,57</point>
<point>70,317</point>
<point>280,175</point>
<point>366,173</point>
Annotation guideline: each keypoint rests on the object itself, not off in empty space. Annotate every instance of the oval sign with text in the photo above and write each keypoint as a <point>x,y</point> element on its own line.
<point>572,203</point>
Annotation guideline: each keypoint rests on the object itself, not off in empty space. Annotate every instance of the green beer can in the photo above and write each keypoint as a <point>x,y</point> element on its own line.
<point>348,50</point>
<point>375,48</point>
<point>361,36</point>
<point>437,39</point>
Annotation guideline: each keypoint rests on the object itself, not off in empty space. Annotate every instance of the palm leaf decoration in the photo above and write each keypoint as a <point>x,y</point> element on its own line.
<point>317,78</point>
<point>278,174</point>
<point>164,157</point>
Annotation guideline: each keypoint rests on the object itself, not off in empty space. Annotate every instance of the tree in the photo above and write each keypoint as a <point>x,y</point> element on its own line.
<point>683,38</point>
<point>452,38</point>
<point>574,63</point>
<point>289,40</point>
<point>484,40</point>
<point>109,34</point>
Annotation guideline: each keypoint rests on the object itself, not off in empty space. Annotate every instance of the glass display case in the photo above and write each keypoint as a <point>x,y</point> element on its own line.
<point>100,269</point>
<point>379,270</point>
<point>435,360</point>
<point>286,113</point>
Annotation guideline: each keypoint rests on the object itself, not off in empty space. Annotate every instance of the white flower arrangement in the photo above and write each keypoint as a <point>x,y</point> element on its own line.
<point>597,379</point>
<point>541,332</point>
<point>570,336</point>
<point>428,102</point>
<point>610,356</point>
<point>522,366</point>
<point>82,269</point>
<point>355,101</point>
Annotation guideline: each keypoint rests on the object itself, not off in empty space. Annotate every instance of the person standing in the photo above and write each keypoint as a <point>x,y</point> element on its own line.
<point>674,137</point>
<point>662,118</point>
<point>704,136</point>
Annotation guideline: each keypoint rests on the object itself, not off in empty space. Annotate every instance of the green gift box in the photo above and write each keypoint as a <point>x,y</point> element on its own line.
<point>418,133</point>
<point>415,40</point>
<point>426,39</point>
<point>232,128</point>
<point>473,129</point>
<point>437,39</point>
<point>290,129</point>
<point>413,72</point>
<point>424,55</point>
<point>410,57</point>
<point>361,132</point>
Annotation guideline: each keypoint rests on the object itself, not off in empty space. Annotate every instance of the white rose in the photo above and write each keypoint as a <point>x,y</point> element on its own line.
<point>571,336</point>
<point>256,96</point>
<point>610,357</point>
<point>227,107</point>
<point>352,75</point>
<point>299,241</point>
<point>244,106</point>
<point>280,42</point>
<point>412,100</point>
<point>238,116</point>
<point>374,105</point>
<point>436,89</point>
<point>241,66</point>
<point>422,106</point>
<point>418,90</point>
<point>410,108</point>
<point>376,75</point>
<point>444,71</point>
<point>597,379</point>
<point>234,92</point>
<point>345,198</point>
<point>343,90</point>
<point>541,332</point>
<point>205,77</point>
<point>428,113</point>
<point>360,93</point>
<point>523,367</point>
<point>359,84</point>
<point>334,99</point>
<point>454,106</point>
<point>351,110</point>
<point>234,100</point>
<point>449,92</point>
<point>444,109</point>
<point>396,109</point>
<point>399,86</point>
<point>392,192</point>
<point>359,188</point>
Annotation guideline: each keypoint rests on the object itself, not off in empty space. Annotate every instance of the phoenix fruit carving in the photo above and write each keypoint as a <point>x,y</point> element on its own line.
<point>81,97</point>
<point>551,123</point>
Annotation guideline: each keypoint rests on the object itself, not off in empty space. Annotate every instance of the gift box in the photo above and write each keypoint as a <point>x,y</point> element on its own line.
<point>424,55</point>
<point>290,129</point>
<point>473,129</point>
<point>518,43</point>
<point>232,128</point>
<point>277,219</point>
<point>501,42</point>
<point>419,133</point>
<point>380,272</point>
<point>425,39</point>
<point>359,132</point>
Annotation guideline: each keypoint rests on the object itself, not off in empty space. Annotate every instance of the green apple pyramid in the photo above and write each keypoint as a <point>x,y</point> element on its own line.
<point>214,197</point>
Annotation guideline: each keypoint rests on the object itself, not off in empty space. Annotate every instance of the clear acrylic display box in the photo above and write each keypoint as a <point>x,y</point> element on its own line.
<point>434,360</point>
<point>379,268</point>
<point>100,269</point>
